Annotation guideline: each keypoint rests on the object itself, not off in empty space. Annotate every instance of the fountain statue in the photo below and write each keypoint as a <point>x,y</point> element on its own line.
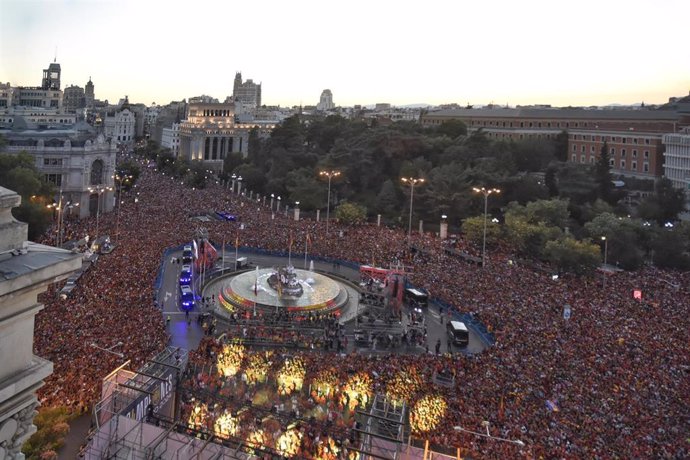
<point>284,281</point>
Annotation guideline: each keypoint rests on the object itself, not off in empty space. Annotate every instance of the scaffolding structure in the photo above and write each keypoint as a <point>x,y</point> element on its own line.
<point>381,430</point>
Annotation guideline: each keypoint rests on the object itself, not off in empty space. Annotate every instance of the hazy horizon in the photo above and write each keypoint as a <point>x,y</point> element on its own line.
<point>595,53</point>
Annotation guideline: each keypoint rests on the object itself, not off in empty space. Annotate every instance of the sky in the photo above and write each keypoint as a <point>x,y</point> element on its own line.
<point>401,52</point>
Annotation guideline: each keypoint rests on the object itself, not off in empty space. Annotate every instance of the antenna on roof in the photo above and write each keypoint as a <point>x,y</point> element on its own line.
<point>55,58</point>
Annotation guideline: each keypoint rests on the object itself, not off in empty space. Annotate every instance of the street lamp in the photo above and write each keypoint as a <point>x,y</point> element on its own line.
<point>330,174</point>
<point>239,184</point>
<point>486,192</point>
<point>606,249</point>
<point>272,196</point>
<point>99,190</point>
<point>412,181</point>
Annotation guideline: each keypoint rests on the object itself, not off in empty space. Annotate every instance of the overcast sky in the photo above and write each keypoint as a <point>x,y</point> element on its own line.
<point>402,52</point>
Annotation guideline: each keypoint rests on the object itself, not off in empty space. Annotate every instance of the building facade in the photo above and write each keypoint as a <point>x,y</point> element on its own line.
<point>120,127</point>
<point>27,269</point>
<point>171,139</point>
<point>19,118</point>
<point>210,134</point>
<point>325,101</point>
<point>73,98</point>
<point>248,93</point>
<point>80,164</point>
<point>677,158</point>
<point>634,137</point>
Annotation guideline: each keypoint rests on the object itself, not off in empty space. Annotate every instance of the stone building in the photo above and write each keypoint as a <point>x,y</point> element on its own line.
<point>325,101</point>
<point>634,137</point>
<point>26,270</point>
<point>78,161</point>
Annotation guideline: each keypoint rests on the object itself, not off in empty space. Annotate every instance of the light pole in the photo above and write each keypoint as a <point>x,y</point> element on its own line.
<point>239,184</point>
<point>412,181</point>
<point>119,179</point>
<point>272,196</point>
<point>99,191</point>
<point>606,249</point>
<point>486,192</point>
<point>330,174</point>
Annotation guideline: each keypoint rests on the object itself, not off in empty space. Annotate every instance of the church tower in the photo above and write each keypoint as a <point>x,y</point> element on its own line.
<point>89,93</point>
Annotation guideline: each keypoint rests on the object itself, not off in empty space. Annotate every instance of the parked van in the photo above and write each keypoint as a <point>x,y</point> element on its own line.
<point>457,333</point>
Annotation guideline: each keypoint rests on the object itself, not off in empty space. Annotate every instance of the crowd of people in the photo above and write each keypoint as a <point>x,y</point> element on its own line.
<point>610,382</point>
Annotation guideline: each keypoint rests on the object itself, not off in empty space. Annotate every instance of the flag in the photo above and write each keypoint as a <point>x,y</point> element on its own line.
<point>308,239</point>
<point>237,240</point>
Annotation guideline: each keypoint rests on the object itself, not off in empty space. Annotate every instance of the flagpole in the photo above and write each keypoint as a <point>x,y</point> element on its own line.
<point>237,243</point>
<point>306,242</point>
<point>222,270</point>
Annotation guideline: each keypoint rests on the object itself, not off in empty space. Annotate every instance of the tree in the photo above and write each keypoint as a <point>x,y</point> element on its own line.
<point>553,213</point>
<point>560,144</point>
<point>388,201</point>
<point>473,229</point>
<point>18,173</point>
<point>665,204</point>
<point>602,174</point>
<point>350,213</point>
<point>452,129</point>
<point>571,255</point>
<point>671,250</point>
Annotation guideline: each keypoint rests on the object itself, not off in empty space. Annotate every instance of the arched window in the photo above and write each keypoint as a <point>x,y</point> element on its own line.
<point>97,172</point>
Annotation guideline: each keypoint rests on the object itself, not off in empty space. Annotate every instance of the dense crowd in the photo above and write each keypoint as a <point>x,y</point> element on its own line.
<point>612,381</point>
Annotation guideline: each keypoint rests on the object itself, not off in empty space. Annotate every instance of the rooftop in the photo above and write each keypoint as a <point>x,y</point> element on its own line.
<point>571,114</point>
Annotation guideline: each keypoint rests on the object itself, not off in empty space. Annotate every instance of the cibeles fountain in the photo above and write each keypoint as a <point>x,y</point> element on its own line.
<point>281,288</point>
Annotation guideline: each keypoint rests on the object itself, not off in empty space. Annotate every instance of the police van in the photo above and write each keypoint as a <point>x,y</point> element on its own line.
<point>457,333</point>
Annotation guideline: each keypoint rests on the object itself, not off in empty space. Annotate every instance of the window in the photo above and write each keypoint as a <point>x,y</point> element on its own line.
<point>622,164</point>
<point>573,158</point>
<point>645,167</point>
<point>574,148</point>
<point>625,139</point>
<point>612,162</point>
<point>634,140</point>
<point>584,148</point>
<point>591,149</point>
<point>54,179</point>
<point>613,150</point>
<point>646,141</point>
<point>582,158</point>
<point>634,153</point>
<point>634,166</point>
<point>646,154</point>
<point>591,159</point>
<point>52,162</point>
<point>623,153</point>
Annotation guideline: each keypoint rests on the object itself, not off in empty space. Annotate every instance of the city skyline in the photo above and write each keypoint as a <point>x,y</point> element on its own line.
<point>394,52</point>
